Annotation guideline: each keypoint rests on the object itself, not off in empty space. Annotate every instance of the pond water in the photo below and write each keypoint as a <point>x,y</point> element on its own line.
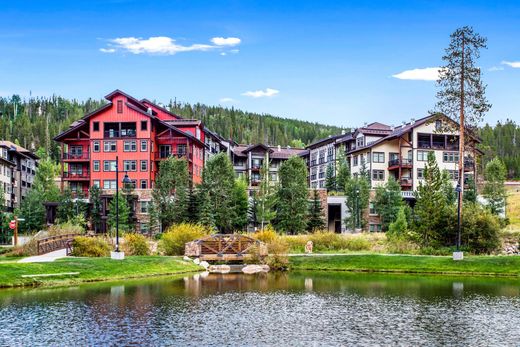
<point>308,308</point>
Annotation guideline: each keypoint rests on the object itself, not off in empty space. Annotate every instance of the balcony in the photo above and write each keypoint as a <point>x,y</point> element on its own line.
<point>85,156</point>
<point>166,155</point>
<point>255,182</point>
<point>76,176</point>
<point>408,194</point>
<point>120,133</point>
<point>469,164</point>
<point>406,182</point>
<point>397,163</point>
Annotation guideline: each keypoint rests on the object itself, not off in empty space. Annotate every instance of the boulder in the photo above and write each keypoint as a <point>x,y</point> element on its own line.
<point>204,264</point>
<point>253,269</point>
<point>196,261</point>
<point>222,269</point>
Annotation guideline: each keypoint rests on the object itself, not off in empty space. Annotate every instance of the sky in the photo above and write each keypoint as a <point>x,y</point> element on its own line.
<point>342,63</point>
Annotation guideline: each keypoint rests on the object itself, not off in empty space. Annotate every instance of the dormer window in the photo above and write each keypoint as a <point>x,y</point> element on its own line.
<point>119,106</point>
<point>360,141</point>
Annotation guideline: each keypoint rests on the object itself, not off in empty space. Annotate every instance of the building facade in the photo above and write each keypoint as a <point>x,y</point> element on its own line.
<point>17,171</point>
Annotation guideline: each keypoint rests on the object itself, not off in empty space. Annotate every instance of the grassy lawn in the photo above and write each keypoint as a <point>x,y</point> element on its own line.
<point>513,209</point>
<point>471,265</point>
<point>90,269</point>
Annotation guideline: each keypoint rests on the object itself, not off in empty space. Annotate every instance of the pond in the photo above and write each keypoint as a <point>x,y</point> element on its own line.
<point>308,308</point>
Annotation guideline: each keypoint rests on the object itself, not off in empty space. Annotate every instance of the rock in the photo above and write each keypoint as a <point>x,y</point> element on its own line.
<point>222,269</point>
<point>186,258</point>
<point>253,269</point>
<point>196,261</point>
<point>204,264</point>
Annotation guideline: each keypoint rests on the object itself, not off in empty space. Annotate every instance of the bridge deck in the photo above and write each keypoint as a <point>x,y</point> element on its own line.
<point>224,247</point>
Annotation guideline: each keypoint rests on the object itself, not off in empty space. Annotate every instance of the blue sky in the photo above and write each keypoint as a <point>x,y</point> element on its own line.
<point>331,62</point>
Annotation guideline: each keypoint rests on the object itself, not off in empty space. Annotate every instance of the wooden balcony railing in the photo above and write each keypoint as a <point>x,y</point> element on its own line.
<point>76,156</point>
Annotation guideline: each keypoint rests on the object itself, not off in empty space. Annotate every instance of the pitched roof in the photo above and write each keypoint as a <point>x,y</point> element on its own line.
<point>14,147</point>
<point>146,101</point>
<point>275,152</point>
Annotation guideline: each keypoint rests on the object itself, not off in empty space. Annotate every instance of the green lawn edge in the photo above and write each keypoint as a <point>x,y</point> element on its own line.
<point>92,270</point>
<point>508,266</point>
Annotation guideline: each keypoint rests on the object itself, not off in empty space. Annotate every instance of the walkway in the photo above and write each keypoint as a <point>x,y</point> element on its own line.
<point>45,258</point>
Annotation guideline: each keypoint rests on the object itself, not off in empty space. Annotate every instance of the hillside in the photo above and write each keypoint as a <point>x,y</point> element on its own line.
<point>33,123</point>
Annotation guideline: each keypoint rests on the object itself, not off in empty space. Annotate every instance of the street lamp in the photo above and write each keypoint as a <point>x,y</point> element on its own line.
<point>126,180</point>
<point>458,255</point>
<point>357,220</point>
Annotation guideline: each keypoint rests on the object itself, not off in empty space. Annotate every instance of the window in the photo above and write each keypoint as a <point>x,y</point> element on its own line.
<point>119,106</point>
<point>375,227</point>
<point>378,157</point>
<point>378,175</point>
<point>144,125</point>
<point>420,174</point>
<point>144,165</point>
<point>438,125</point>
<point>109,146</point>
<point>454,174</point>
<point>422,155</point>
<point>372,207</point>
<point>95,126</point>
<point>129,146</point>
<point>164,151</point>
<point>96,183</point>
<point>322,184</point>
<point>145,206</point>
<point>450,157</point>
<point>144,145</point>
<point>144,184</point>
<point>181,149</point>
<point>355,161</point>
<point>109,165</point>
<point>274,176</point>
<point>95,146</point>
<point>145,228</point>
<point>360,141</point>
<point>109,184</point>
<point>130,165</point>
<point>95,163</point>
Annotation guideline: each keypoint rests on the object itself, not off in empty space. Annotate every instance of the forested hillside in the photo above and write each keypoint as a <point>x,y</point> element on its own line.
<point>33,123</point>
<point>503,141</point>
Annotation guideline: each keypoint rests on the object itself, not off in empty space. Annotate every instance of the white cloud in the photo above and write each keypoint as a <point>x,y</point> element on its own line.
<point>424,74</point>
<point>234,51</point>
<point>223,53</point>
<point>496,68</point>
<point>513,64</point>
<point>227,100</point>
<point>226,41</point>
<point>268,92</point>
<point>164,45</point>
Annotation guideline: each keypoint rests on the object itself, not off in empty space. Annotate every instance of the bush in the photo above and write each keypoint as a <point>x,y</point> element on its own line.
<point>481,229</point>
<point>277,258</point>
<point>65,228</point>
<point>136,244</point>
<point>83,246</point>
<point>176,237</point>
<point>267,235</point>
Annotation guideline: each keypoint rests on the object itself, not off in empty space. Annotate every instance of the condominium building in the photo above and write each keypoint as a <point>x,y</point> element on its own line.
<point>17,171</point>
<point>249,159</point>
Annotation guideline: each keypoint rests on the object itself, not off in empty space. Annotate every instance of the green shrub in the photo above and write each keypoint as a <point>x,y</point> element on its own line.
<point>481,229</point>
<point>83,246</point>
<point>277,258</point>
<point>66,228</point>
<point>136,244</point>
<point>176,237</point>
<point>267,235</point>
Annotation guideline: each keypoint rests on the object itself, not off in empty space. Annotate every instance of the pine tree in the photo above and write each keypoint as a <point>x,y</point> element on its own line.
<point>357,192</point>
<point>292,196</point>
<point>388,202</point>
<point>66,208</point>
<point>494,190</point>
<point>470,195</point>
<point>265,197</point>
<point>343,172</point>
<point>96,209</point>
<point>316,219</point>
<point>125,223</point>
<point>330,179</point>
<point>399,227</point>
<point>206,214</point>
<point>240,204</point>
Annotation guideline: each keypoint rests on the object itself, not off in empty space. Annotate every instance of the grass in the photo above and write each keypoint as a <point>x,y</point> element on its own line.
<point>471,265</point>
<point>513,209</point>
<point>90,270</point>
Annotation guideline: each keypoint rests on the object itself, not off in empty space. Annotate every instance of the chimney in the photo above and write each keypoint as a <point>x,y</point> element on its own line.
<point>342,131</point>
<point>149,111</point>
<point>279,148</point>
<point>412,121</point>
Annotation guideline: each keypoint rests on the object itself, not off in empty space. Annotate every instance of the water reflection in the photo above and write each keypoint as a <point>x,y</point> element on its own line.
<point>267,309</point>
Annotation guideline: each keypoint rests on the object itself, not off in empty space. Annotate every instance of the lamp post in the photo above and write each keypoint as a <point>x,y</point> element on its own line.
<point>117,254</point>
<point>458,255</point>
<point>357,209</point>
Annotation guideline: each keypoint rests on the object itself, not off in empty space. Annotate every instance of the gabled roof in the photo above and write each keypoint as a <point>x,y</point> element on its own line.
<point>275,152</point>
<point>185,122</point>
<point>258,145</point>
<point>133,100</point>
<point>146,101</point>
<point>19,149</point>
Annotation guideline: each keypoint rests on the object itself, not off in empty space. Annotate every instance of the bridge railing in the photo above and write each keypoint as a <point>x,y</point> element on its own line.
<point>53,243</point>
<point>224,247</point>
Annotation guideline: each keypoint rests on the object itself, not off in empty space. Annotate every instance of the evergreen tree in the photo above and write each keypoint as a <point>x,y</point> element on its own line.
<point>357,192</point>
<point>292,196</point>
<point>218,181</point>
<point>494,190</point>
<point>364,173</point>
<point>125,223</point>
<point>193,205</point>
<point>97,207</point>
<point>33,211</point>
<point>470,194</point>
<point>239,199</point>
<point>399,227</point>
<point>265,197</point>
<point>343,174</point>
<point>330,179</point>
<point>388,202</point>
<point>66,208</point>
<point>206,213</point>
<point>432,205</point>
<point>316,219</point>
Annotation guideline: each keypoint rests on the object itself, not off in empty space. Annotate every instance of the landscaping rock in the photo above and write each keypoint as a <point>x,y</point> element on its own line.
<point>204,264</point>
<point>253,269</point>
<point>196,261</point>
<point>186,258</point>
<point>222,269</point>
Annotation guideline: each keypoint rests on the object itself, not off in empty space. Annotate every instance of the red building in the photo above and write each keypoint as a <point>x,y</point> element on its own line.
<point>140,134</point>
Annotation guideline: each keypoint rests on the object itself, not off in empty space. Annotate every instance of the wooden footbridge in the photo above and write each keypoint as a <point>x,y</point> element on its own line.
<point>225,247</point>
<point>54,243</point>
